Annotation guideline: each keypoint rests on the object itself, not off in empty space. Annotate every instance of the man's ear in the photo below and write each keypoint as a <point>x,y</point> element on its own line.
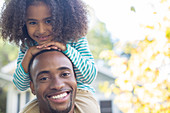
<point>32,87</point>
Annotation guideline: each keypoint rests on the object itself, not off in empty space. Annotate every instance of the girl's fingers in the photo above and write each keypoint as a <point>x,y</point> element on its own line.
<point>47,45</point>
<point>59,49</point>
<point>53,45</point>
<point>40,47</point>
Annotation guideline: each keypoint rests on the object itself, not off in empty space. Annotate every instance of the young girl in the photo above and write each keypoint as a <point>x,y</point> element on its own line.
<point>35,25</point>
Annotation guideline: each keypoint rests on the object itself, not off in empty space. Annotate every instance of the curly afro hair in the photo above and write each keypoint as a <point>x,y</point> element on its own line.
<point>69,20</point>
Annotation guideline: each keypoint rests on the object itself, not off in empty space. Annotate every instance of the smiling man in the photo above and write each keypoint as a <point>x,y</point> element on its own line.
<point>53,82</point>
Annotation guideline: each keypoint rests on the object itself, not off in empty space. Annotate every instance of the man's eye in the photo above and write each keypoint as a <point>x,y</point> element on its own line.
<point>65,74</point>
<point>32,23</point>
<point>43,78</point>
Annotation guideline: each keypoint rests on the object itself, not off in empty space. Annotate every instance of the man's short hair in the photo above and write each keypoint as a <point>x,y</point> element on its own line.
<point>32,59</point>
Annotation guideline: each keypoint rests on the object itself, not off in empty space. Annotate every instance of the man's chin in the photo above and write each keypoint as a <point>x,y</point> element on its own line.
<point>60,110</point>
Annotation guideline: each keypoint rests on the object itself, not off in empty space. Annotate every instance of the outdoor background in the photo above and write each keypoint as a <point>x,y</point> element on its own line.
<point>132,39</point>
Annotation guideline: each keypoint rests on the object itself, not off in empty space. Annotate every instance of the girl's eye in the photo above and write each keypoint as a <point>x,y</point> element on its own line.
<point>32,23</point>
<point>48,21</point>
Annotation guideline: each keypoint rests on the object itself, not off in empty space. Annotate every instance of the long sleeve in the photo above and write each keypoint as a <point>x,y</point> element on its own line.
<point>21,79</point>
<point>83,61</point>
<point>81,58</point>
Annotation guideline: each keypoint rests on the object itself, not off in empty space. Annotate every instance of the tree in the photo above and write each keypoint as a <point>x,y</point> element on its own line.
<point>99,39</point>
<point>9,52</point>
<point>142,82</point>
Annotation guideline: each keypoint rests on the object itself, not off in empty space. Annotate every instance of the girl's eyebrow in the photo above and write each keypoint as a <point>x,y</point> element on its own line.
<point>30,19</point>
<point>48,18</point>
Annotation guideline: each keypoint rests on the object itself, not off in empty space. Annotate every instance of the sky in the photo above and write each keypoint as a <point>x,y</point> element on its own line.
<point>123,23</point>
<point>1,2</point>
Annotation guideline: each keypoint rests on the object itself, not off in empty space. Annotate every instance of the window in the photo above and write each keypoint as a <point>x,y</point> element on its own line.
<point>18,107</point>
<point>27,97</point>
<point>106,106</point>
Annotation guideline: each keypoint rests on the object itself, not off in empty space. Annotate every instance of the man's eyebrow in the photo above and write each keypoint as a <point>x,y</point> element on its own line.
<point>64,68</point>
<point>42,72</point>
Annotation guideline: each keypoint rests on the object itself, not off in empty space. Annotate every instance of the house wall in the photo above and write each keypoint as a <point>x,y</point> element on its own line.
<point>100,96</point>
<point>15,99</point>
<point>11,99</point>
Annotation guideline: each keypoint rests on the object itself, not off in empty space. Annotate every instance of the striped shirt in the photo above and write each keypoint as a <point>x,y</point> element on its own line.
<point>81,58</point>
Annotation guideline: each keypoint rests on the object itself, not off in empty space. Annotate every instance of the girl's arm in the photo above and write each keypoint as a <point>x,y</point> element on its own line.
<point>83,61</point>
<point>21,79</point>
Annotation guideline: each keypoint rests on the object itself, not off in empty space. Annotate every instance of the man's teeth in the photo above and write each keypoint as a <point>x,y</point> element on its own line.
<point>59,96</point>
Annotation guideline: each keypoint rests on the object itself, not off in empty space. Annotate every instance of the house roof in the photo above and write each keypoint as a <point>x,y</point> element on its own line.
<point>6,77</point>
<point>7,71</point>
<point>105,71</point>
<point>9,68</point>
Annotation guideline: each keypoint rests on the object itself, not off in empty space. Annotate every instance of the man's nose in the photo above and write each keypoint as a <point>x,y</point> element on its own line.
<point>57,83</point>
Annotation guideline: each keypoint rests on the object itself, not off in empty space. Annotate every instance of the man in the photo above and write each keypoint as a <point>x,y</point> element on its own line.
<point>53,82</point>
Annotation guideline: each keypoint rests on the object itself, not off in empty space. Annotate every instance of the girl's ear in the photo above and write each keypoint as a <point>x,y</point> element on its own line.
<point>32,87</point>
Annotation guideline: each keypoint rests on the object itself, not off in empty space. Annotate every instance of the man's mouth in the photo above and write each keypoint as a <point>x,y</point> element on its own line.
<point>59,96</point>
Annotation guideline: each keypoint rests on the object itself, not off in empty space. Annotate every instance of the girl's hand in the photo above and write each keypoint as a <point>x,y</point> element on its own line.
<point>53,45</point>
<point>28,55</point>
<point>33,50</point>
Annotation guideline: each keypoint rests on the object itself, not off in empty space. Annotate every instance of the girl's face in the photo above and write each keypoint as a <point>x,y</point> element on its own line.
<point>38,22</point>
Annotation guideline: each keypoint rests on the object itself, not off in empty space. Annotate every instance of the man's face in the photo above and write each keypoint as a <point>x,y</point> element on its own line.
<point>54,82</point>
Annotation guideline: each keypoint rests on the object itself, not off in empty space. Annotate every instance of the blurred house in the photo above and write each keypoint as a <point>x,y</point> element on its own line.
<point>17,99</point>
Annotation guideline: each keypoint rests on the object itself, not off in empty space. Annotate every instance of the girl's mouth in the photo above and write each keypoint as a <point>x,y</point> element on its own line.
<point>44,38</point>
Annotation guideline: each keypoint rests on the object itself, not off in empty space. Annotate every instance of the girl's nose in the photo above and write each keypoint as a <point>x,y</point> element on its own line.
<point>41,28</point>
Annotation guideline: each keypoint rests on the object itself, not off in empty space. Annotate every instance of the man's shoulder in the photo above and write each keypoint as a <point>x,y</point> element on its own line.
<point>31,107</point>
